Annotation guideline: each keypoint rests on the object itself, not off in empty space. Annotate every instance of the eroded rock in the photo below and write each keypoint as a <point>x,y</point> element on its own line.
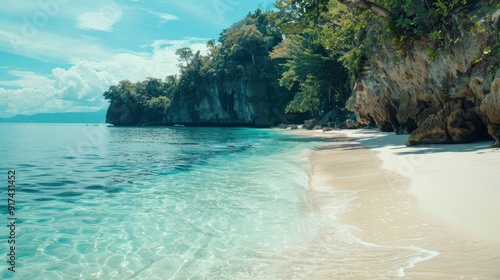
<point>351,124</point>
<point>453,124</point>
<point>452,98</point>
<point>310,124</point>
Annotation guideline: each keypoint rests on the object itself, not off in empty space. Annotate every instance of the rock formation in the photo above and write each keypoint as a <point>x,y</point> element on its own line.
<point>227,103</point>
<point>452,97</point>
<point>215,103</point>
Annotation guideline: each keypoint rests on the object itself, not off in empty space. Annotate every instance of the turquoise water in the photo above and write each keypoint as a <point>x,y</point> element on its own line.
<point>101,202</point>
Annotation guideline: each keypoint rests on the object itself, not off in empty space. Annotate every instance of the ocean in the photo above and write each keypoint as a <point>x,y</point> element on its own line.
<point>104,202</point>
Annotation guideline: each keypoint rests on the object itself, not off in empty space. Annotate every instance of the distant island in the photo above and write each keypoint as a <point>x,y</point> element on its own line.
<point>70,117</point>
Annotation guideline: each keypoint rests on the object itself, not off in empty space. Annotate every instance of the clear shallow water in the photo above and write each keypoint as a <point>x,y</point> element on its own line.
<point>97,202</point>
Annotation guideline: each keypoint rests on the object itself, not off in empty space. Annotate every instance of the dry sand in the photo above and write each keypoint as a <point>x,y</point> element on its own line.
<point>458,183</point>
<point>435,206</point>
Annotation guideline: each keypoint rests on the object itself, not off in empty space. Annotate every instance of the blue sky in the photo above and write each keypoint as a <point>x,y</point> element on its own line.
<point>61,55</point>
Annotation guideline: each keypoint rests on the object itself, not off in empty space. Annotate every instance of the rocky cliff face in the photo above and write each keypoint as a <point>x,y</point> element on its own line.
<point>132,113</point>
<point>127,113</point>
<point>453,97</point>
<point>228,103</point>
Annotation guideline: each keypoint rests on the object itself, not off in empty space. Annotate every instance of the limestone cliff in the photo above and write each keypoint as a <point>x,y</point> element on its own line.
<point>237,102</point>
<point>132,113</point>
<point>450,97</point>
<point>228,103</point>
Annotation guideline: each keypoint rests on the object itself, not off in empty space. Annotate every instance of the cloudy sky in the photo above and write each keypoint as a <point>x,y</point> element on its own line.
<point>61,55</point>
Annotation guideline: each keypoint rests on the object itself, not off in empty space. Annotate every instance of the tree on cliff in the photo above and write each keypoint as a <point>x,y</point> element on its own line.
<point>244,48</point>
<point>248,39</point>
<point>148,99</point>
<point>185,55</point>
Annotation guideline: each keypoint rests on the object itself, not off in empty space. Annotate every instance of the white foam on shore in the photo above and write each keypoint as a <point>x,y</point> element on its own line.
<point>414,255</point>
<point>420,254</point>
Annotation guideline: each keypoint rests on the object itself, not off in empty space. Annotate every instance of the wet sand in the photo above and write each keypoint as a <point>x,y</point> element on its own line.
<point>420,212</point>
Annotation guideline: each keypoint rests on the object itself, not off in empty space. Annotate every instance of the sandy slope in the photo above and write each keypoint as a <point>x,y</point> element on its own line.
<point>440,199</point>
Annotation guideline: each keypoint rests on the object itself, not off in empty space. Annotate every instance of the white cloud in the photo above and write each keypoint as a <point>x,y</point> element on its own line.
<point>26,79</point>
<point>201,10</point>
<point>214,12</point>
<point>49,46</point>
<point>159,61</point>
<point>24,101</point>
<point>78,89</point>
<point>101,20</point>
<point>165,17</point>
<point>81,82</point>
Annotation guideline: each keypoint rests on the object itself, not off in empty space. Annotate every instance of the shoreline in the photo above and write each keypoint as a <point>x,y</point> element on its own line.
<point>397,199</point>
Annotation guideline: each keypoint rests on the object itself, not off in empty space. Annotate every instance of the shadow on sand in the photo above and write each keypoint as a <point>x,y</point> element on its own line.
<point>374,139</point>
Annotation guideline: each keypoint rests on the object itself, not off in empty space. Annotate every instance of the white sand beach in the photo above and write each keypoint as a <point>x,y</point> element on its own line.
<point>458,183</point>
<point>442,199</point>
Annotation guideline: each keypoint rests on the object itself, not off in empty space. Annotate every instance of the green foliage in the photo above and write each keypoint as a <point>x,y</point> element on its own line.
<point>294,15</point>
<point>352,61</point>
<point>160,103</point>
<point>437,20</point>
<point>152,95</point>
<point>248,39</point>
<point>432,53</point>
<point>307,98</point>
<point>185,54</point>
<point>477,58</point>
<point>349,35</point>
<point>311,54</point>
<point>435,36</point>
<point>192,76</point>
<point>242,50</point>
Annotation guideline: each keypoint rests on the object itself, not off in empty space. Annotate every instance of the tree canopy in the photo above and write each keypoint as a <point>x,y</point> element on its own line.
<point>152,95</point>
